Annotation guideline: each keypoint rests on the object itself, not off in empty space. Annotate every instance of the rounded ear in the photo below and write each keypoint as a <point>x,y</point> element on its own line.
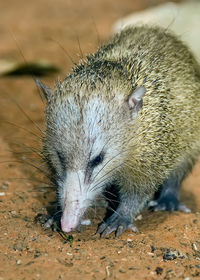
<point>46,90</point>
<point>135,100</point>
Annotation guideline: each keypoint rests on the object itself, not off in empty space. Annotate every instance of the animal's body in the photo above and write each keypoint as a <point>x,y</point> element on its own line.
<point>125,121</point>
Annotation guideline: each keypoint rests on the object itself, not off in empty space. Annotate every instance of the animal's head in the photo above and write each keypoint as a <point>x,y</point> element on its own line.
<point>86,142</point>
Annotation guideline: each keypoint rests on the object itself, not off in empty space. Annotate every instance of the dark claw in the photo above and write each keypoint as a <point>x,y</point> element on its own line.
<point>184,208</point>
<point>107,231</point>
<point>101,228</point>
<point>119,231</point>
<point>115,223</point>
<point>168,204</point>
<point>133,228</point>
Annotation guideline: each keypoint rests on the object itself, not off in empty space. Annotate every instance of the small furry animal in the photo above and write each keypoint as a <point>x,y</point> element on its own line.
<point>126,124</point>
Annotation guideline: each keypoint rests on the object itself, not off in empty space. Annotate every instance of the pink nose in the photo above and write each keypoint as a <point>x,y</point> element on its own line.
<point>66,229</point>
<point>68,223</point>
<point>65,226</point>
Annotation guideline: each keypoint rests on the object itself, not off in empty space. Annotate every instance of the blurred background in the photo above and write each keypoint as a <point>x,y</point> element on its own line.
<point>39,27</point>
<point>45,38</point>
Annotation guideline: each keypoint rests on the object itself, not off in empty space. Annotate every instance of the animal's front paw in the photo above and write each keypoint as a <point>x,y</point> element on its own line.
<point>168,203</point>
<point>48,222</point>
<point>116,223</point>
<point>54,223</point>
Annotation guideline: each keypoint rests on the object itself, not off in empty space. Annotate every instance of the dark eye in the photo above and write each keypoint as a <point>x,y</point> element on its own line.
<point>61,159</point>
<point>97,160</point>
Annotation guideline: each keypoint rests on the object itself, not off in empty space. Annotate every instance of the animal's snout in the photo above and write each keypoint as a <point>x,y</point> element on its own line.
<point>69,221</point>
<point>71,216</point>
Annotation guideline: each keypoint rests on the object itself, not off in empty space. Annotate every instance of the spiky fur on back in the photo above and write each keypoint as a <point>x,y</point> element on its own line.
<point>165,135</point>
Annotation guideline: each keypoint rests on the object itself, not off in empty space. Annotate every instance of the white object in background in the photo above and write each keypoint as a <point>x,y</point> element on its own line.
<point>183,19</point>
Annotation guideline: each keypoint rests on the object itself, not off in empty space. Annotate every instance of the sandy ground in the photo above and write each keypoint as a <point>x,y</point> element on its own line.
<point>167,246</point>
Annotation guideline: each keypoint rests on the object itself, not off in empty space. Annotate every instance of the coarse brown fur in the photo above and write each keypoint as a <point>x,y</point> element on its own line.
<point>163,140</point>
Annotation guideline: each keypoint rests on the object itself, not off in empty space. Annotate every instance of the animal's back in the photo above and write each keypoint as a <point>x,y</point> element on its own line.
<point>169,123</point>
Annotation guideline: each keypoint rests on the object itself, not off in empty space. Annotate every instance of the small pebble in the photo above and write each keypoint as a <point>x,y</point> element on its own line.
<point>107,271</point>
<point>5,185</point>
<point>195,246</point>
<point>2,193</point>
<point>19,262</point>
<point>153,248</point>
<point>138,218</point>
<point>197,265</point>
<point>129,240</point>
<point>171,254</point>
<point>159,270</point>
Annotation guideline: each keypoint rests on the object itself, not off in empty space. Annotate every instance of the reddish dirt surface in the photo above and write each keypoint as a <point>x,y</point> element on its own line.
<point>167,246</point>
